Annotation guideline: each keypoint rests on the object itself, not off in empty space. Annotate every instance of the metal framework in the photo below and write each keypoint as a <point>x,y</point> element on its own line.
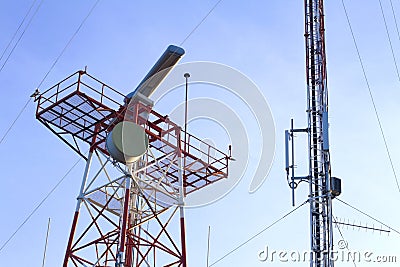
<point>319,162</point>
<point>319,177</point>
<point>127,213</point>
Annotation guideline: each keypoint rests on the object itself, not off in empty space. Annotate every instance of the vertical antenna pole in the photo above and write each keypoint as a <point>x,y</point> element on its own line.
<point>186,75</point>
<point>208,244</point>
<point>292,180</point>
<point>182,176</point>
<point>45,245</point>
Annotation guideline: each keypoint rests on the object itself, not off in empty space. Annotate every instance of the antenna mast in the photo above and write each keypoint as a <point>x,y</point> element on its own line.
<point>322,187</point>
<point>319,163</point>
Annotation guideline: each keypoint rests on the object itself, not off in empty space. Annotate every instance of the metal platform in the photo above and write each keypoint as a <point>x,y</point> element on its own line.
<point>81,110</point>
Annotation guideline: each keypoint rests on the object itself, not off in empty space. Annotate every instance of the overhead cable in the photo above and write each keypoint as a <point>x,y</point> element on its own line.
<point>22,34</point>
<point>257,234</point>
<point>371,96</point>
<point>38,206</point>
<point>369,216</point>
<point>48,72</point>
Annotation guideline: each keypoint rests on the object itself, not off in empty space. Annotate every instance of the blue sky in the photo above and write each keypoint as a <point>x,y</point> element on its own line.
<point>120,42</point>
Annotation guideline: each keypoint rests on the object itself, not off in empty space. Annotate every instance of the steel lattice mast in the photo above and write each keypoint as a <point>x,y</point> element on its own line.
<point>319,165</point>
<point>322,187</point>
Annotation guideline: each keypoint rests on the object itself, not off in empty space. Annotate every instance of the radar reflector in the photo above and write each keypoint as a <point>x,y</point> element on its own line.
<point>127,142</point>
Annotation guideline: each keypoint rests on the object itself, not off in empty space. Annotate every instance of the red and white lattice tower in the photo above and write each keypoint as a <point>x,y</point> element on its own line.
<point>129,208</point>
<point>323,187</point>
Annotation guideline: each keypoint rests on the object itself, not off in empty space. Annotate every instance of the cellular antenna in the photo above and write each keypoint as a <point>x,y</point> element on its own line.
<point>323,188</point>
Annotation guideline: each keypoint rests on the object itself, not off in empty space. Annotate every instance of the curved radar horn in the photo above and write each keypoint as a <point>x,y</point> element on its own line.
<point>127,141</point>
<point>159,71</point>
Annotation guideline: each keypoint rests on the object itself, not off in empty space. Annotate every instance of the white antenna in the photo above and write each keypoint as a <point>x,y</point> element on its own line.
<point>45,245</point>
<point>208,244</point>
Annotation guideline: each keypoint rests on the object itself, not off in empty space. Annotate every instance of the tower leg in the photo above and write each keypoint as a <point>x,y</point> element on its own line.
<point>78,206</point>
<point>124,223</point>
<point>181,207</point>
<point>183,235</point>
